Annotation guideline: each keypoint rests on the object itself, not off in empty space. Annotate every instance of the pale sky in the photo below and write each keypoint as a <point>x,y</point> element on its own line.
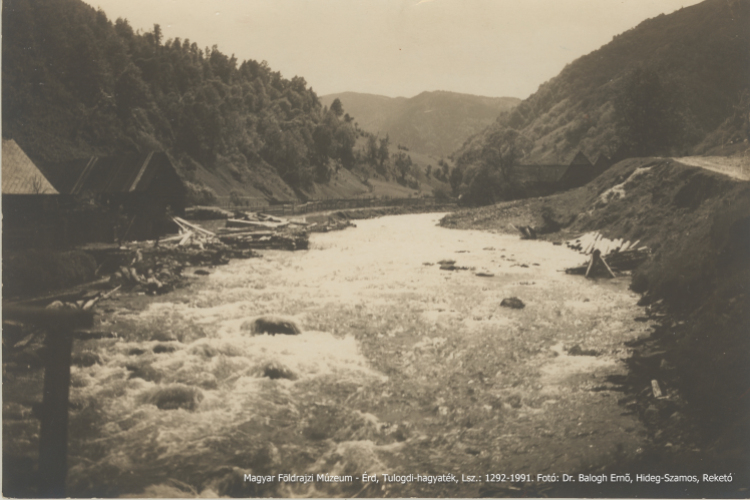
<point>400,47</point>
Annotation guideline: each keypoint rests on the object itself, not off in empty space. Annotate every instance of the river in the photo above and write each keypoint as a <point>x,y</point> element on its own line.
<point>401,368</point>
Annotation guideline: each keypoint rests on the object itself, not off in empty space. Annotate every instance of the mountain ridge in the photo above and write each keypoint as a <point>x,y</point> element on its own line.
<point>453,117</point>
<point>697,61</point>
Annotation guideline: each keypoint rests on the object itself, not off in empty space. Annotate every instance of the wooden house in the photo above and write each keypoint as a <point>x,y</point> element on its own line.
<point>20,175</point>
<point>137,190</point>
<point>602,163</point>
<point>544,179</point>
<point>580,171</point>
<point>28,200</point>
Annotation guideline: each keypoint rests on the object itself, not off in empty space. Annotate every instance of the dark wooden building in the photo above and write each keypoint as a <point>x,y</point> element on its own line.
<point>29,201</point>
<point>544,179</point>
<point>602,163</point>
<point>137,191</point>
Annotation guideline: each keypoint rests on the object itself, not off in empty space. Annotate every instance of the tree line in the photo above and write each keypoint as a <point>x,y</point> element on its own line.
<point>76,84</point>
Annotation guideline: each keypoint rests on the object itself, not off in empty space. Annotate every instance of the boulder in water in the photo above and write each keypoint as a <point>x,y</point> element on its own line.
<point>276,370</point>
<point>513,303</point>
<point>272,325</point>
<point>176,396</point>
<point>577,350</point>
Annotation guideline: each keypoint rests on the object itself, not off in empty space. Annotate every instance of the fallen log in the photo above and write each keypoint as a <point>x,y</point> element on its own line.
<point>188,226</point>
<point>186,237</point>
<point>232,223</point>
<point>240,232</point>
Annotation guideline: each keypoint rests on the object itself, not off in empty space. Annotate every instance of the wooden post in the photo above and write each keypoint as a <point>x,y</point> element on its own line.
<point>607,266</point>
<point>591,263</point>
<point>53,437</point>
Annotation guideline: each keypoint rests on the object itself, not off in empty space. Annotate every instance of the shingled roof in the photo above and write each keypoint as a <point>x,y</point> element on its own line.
<point>578,159</point>
<point>20,175</point>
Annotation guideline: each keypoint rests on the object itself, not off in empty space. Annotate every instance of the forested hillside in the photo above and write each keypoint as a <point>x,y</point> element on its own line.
<point>433,123</point>
<point>76,84</point>
<point>676,83</point>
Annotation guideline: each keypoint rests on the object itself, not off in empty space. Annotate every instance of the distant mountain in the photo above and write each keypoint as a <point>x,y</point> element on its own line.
<point>433,123</point>
<point>676,83</point>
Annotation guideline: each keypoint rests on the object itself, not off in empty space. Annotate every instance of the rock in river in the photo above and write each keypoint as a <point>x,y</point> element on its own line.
<point>272,325</point>
<point>513,303</point>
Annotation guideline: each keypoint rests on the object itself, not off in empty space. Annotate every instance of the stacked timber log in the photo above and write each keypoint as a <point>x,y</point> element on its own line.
<point>258,231</point>
<point>156,266</point>
<point>191,234</point>
<point>336,221</point>
<point>607,256</point>
<point>154,274</point>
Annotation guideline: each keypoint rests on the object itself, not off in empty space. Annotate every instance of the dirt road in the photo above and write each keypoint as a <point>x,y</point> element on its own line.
<point>737,167</point>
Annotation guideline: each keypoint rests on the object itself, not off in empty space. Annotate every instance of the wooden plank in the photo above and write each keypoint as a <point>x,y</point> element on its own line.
<point>193,226</point>
<point>656,389</point>
<point>607,266</point>
<point>591,263</point>
<point>185,238</point>
<point>233,223</point>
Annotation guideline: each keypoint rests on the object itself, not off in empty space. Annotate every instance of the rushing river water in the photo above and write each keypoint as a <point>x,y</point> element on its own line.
<point>401,368</point>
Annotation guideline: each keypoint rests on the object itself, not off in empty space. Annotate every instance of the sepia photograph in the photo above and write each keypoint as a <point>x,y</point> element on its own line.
<point>375,248</point>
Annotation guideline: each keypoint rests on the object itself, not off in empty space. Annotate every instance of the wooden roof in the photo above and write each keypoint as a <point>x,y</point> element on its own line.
<point>579,159</point>
<point>20,175</point>
<point>114,174</point>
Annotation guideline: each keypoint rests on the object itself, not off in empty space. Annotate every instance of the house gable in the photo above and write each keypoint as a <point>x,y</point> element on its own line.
<point>20,175</point>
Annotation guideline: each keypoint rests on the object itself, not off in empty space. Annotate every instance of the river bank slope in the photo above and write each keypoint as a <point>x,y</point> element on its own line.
<point>697,225</point>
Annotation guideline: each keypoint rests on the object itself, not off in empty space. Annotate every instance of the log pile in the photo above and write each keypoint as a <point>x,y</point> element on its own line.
<point>260,231</point>
<point>332,224</point>
<point>589,242</point>
<point>607,256</point>
<point>154,275</point>
<point>270,240</point>
<point>191,234</point>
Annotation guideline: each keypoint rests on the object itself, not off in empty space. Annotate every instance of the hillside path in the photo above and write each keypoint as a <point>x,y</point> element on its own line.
<point>737,167</point>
